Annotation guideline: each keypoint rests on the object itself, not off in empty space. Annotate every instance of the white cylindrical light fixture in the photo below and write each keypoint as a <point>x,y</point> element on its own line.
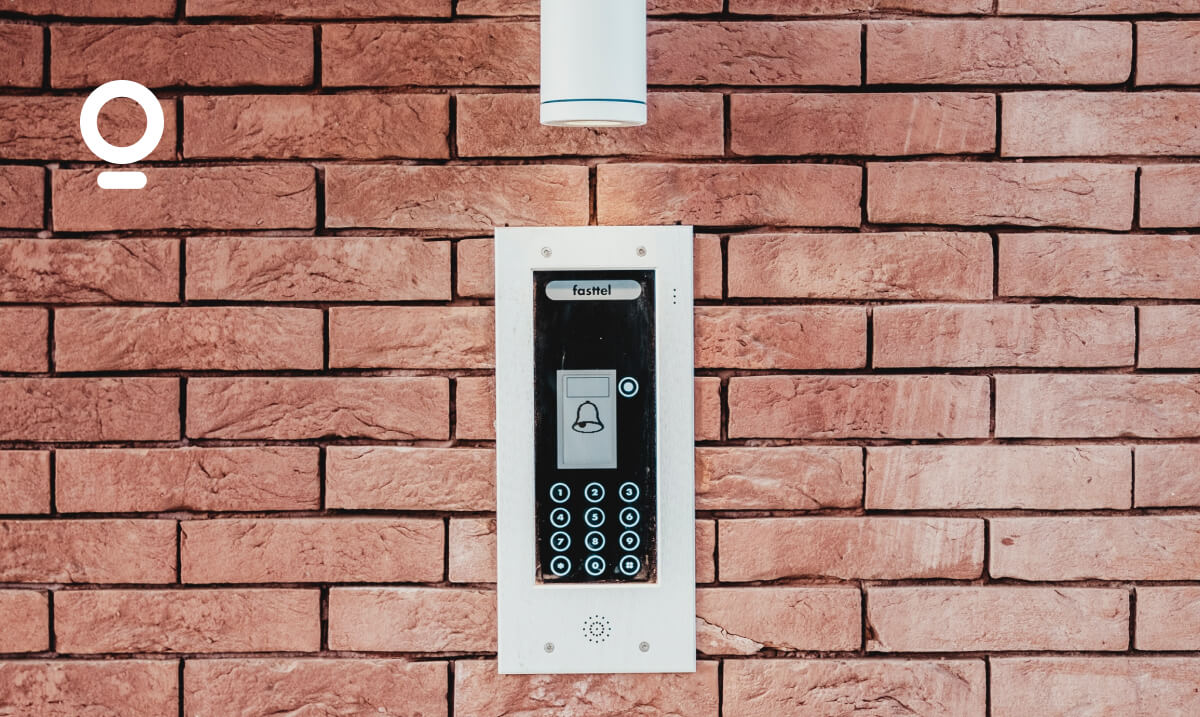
<point>594,63</point>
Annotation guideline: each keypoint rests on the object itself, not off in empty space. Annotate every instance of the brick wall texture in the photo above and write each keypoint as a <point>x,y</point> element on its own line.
<point>947,354</point>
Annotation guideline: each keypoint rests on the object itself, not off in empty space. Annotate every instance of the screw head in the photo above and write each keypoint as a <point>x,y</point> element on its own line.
<point>641,251</point>
<point>546,253</point>
<point>548,647</point>
<point>644,646</point>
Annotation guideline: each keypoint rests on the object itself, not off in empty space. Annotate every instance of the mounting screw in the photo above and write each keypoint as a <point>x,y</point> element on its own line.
<point>549,646</point>
<point>644,646</point>
<point>546,253</point>
<point>641,251</point>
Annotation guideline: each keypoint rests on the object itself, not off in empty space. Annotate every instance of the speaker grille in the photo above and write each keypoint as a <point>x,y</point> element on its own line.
<point>597,629</point>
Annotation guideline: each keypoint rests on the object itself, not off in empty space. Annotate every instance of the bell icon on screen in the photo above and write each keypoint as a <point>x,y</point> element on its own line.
<point>89,120</point>
<point>587,419</point>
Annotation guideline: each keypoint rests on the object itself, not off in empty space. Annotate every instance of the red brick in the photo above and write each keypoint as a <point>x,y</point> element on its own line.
<point>998,477</point>
<point>1105,406</point>
<point>47,128</point>
<point>333,126</point>
<point>130,688</point>
<point>745,621</point>
<point>455,197</point>
<point>968,619</point>
<point>472,551</point>
<point>24,482</point>
<point>1168,618</point>
<point>1003,335</point>
<point>1096,7</point>
<point>1168,53</point>
<point>305,550</point>
<point>753,53</point>
<point>780,478</point>
<point>25,344</point>
<point>998,52</point>
<point>381,55</point>
<point>706,400</point>
<point>244,197</point>
<point>475,408</point>
<point>89,270</point>
<point>87,551</point>
<point>858,407</point>
<point>722,194</point>
<point>1105,548</point>
<point>1107,685</point>
<point>1167,476</point>
<point>165,621</point>
<point>308,9</point>
<point>393,478</point>
<point>278,686</point>
<point>530,7</point>
<point>22,197</point>
<point>89,409</point>
<point>318,269</point>
<point>481,691</point>
<point>1169,197</point>
<point>1098,196</point>
<point>681,124</point>
<point>476,275</point>
<point>1058,124</point>
<point>94,8</point>
<point>1100,265</point>
<point>412,337</point>
<point>781,337</point>
<point>192,338</point>
<point>412,620</point>
<point>850,548</point>
<point>20,55</point>
<point>902,265</point>
<point>793,688</point>
<point>1169,337</point>
<point>129,480</point>
<point>185,56</point>
<point>854,7</point>
<point>870,124</point>
<point>385,408</point>
<point>26,624</point>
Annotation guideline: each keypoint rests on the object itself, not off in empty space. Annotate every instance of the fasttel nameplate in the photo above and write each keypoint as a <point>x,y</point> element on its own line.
<point>595,449</point>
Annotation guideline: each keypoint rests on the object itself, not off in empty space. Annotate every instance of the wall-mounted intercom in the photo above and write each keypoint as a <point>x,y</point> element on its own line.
<point>594,444</point>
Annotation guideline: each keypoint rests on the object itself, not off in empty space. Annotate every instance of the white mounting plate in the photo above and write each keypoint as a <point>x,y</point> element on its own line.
<point>532,615</point>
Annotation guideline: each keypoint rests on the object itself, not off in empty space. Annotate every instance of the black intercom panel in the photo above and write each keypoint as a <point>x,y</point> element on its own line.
<point>595,426</point>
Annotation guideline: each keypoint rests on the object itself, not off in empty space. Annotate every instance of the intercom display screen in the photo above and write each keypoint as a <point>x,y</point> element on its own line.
<point>594,402</point>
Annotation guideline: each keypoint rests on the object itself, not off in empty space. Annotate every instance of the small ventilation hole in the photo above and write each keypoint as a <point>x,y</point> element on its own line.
<point>597,629</point>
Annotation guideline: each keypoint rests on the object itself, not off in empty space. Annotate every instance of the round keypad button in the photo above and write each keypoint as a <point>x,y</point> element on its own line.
<point>560,492</point>
<point>560,518</point>
<point>594,540</point>
<point>594,565</point>
<point>629,492</point>
<point>629,517</point>
<point>560,565</point>
<point>630,540</point>
<point>630,565</point>
<point>560,541</point>
<point>594,492</point>
<point>594,517</point>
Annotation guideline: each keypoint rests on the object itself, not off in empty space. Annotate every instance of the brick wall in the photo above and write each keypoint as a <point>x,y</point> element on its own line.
<point>947,322</point>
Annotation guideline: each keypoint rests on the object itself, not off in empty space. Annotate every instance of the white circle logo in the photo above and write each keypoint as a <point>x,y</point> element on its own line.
<point>90,117</point>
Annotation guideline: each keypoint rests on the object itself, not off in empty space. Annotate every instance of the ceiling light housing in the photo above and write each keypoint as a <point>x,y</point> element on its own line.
<point>594,63</point>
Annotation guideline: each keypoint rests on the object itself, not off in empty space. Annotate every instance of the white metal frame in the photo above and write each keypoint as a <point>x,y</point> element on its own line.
<point>541,626</point>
